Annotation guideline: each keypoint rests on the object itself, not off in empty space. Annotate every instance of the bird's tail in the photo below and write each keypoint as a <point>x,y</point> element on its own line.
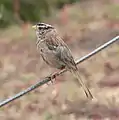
<point>81,82</point>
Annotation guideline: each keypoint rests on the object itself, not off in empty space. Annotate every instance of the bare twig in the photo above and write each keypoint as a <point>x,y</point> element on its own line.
<point>47,79</point>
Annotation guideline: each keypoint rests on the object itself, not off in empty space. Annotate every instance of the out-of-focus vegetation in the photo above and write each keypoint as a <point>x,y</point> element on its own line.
<point>18,11</point>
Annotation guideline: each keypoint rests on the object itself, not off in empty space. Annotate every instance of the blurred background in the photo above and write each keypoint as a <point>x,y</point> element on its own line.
<point>84,25</point>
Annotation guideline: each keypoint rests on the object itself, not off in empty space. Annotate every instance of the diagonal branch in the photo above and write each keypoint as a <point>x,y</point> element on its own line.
<point>47,79</point>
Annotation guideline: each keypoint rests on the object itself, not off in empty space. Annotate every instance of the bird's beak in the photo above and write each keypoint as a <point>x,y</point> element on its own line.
<point>34,27</point>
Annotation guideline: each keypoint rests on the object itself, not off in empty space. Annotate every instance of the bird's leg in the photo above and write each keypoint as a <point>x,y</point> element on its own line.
<point>53,76</point>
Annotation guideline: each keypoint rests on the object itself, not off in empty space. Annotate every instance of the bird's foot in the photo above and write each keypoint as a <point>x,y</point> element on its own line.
<point>52,77</point>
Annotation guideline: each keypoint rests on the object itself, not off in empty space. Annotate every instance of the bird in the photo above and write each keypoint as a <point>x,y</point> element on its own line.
<point>56,53</point>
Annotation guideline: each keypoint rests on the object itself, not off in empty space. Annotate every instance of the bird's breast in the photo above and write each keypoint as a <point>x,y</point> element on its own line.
<point>49,56</point>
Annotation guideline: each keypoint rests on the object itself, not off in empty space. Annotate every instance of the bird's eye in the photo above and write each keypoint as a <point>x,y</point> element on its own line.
<point>40,28</point>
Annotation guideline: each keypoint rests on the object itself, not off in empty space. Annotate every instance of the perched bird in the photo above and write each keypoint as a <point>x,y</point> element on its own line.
<point>56,53</point>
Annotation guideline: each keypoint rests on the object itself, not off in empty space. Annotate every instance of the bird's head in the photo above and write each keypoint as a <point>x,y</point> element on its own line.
<point>42,28</point>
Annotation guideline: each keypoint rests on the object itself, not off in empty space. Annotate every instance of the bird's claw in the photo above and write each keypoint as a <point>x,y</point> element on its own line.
<point>51,77</point>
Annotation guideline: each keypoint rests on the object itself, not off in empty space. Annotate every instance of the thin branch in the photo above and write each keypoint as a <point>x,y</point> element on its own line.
<point>47,79</point>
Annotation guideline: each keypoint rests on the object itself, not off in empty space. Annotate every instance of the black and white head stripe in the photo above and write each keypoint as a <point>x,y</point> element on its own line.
<point>44,26</point>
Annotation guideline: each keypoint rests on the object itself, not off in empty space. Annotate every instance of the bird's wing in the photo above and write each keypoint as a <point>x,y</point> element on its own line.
<point>64,54</point>
<point>61,51</point>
